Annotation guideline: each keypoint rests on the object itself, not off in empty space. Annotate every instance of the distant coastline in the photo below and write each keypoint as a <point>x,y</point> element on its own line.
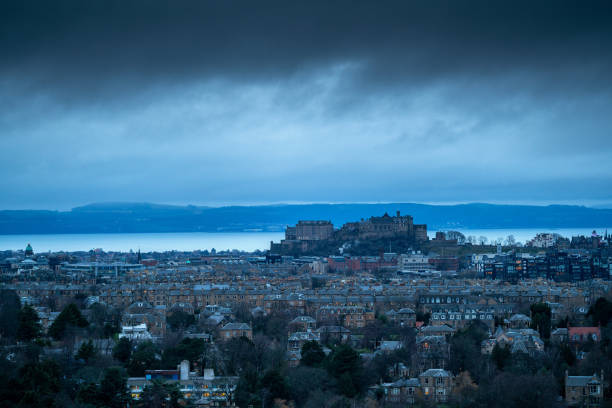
<point>191,241</point>
<point>153,218</point>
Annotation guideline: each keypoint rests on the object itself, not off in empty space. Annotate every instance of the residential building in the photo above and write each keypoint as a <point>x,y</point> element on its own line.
<point>584,390</point>
<point>583,334</point>
<point>236,330</point>
<point>436,384</point>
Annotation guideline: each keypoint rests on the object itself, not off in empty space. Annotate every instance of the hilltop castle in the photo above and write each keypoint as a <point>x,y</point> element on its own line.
<point>306,236</point>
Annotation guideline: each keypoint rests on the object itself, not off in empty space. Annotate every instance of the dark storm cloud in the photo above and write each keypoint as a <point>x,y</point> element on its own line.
<point>216,102</point>
<point>80,47</point>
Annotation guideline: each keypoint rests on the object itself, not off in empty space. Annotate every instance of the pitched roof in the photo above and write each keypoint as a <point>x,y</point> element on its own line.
<point>435,372</point>
<point>561,331</point>
<point>236,326</point>
<point>333,329</point>
<point>297,336</point>
<point>520,317</point>
<point>441,328</point>
<point>581,380</point>
<point>583,330</point>
<point>390,345</point>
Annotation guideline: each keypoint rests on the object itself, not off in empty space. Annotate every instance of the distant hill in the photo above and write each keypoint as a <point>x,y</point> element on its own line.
<point>146,217</point>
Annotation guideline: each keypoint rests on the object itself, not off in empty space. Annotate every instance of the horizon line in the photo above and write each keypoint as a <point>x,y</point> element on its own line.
<point>603,204</point>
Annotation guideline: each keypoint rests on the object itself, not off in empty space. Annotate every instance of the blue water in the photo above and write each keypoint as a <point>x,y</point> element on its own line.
<point>146,242</point>
<point>524,234</point>
<point>189,241</point>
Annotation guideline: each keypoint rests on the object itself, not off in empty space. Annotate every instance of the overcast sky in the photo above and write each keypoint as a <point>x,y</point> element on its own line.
<point>258,102</point>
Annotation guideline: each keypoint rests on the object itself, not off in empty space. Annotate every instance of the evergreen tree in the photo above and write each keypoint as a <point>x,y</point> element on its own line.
<point>143,358</point>
<point>276,386</point>
<point>247,388</point>
<point>346,385</point>
<point>69,317</point>
<point>111,393</point>
<point>10,308</point>
<point>188,349</point>
<point>29,326</point>
<point>160,395</point>
<point>39,383</point>
<point>86,351</point>
<point>123,350</point>
<point>601,312</point>
<point>180,320</point>
<point>346,366</point>
<point>312,354</point>
<point>541,319</point>
<point>500,356</point>
<point>113,388</point>
<point>88,395</point>
<point>465,352</point>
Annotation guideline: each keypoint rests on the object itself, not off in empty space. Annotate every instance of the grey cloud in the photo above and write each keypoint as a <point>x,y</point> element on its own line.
<point>226,102</point>
<point>86,48</point>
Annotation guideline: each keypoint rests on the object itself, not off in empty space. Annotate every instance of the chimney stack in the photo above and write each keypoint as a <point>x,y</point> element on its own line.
<point>184,370</point>
<point>209,374</point>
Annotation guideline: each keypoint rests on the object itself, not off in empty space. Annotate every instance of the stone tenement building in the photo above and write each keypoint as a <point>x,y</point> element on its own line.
<point>584,390</point>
